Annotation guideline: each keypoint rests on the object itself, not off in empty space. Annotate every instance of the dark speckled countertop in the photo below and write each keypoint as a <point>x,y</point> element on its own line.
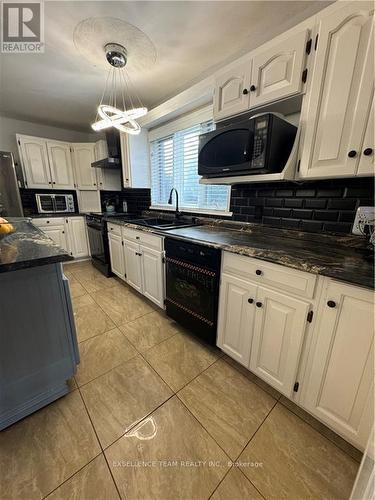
<point>343,257</point>
<point>27,247</point>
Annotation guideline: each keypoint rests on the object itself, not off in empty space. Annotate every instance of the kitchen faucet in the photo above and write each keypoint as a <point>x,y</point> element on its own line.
<point>178,213</point>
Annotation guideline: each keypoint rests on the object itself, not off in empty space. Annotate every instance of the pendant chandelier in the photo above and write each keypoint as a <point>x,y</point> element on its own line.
<point>117,107</point>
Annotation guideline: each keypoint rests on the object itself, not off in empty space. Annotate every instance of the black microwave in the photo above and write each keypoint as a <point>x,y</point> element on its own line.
<point>259,145</point>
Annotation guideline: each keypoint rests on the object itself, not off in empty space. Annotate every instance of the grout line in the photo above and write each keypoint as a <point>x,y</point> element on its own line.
<point>97,437</point>
<point>137,422</point>
<point>316,430</point>
<point>106,372</point>
<point>70,477</point>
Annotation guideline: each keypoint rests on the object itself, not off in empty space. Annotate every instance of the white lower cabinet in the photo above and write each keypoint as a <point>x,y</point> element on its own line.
<point>57,234</point>
<point>339,386</point>
<point>280,325</point>
<point>116,252</point>
<point>153,275</point>
<point>236,318</point>
<point>138,258</point>
<point>263,329</point>
<point>77,237</point>
<point>323,340</point>
<point>133,265</point>
<point>69,233</point>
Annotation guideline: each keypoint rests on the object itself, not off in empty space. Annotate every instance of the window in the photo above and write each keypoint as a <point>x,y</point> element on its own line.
<point>174,163</point>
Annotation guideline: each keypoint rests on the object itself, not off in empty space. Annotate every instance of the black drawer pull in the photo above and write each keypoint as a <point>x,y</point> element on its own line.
<point>259,304</point>
<point>352,153</point>
<point>245,91</point>
<point>250,301</point>
<point>258,272</point>
<point>331,303</point>
<point>367,151</point>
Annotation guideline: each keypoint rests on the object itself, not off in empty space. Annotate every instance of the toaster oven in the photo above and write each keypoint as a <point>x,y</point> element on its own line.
<point>55,203</point>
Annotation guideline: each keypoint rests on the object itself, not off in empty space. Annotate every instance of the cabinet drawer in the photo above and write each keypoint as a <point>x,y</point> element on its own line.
<point>143,238</point>
<point>114,229</point>
<point>275,275</point>
<point>52,221</point>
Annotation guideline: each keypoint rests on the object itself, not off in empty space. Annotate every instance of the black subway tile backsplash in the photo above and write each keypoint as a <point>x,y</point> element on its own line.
<point>323,205</point>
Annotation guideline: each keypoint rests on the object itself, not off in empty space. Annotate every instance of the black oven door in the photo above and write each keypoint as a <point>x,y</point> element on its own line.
<point>96,242</point>
<point>191,297</point>
<point>226,151</point>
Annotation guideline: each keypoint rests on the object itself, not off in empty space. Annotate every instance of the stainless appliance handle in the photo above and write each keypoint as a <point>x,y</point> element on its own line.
<point>54,203</point>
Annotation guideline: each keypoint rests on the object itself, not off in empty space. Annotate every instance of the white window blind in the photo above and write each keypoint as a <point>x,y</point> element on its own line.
<point>174,163</point>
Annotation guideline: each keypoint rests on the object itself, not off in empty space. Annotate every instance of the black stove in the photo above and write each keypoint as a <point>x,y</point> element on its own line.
<point>98,238</point>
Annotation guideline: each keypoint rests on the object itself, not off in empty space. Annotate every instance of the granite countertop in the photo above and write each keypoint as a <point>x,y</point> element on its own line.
<point>27,247</point>
<point>343,257</point>
<point>57,215</point>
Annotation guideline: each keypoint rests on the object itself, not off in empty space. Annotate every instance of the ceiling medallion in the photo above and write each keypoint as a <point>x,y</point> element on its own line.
<point>117,87</point>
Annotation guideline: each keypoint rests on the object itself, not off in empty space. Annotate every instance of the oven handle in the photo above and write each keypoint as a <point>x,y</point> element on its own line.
<point>185,265</point>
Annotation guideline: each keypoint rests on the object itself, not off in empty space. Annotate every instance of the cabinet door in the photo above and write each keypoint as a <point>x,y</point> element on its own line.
<point>57,234</point>
<point>280,324</point>
<point>277,72</point>
<point>60,161</point>
<point>35,161</point>
<point>133,265</point>
<point>116,251</point>
<point>366,162</point>
<point>236,318</point>
<point>340,92</point>
<point>153,275</point>
<point>340,384</point>
<point>83,155</point>
<point>76,228</point>
<point>125,159</point>
<point>232,91</point>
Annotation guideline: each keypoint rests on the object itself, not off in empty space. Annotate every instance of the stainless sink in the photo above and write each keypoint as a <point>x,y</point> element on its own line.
<point>163,224</point>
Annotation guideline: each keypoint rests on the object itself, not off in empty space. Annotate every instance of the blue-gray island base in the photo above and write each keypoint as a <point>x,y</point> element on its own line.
<point>38,343</point>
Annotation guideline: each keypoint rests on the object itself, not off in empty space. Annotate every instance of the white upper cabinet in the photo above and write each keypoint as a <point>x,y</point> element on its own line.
<point>340,386</point>
<point>366,161</point>
<point>236,318</point>
<point>34,157</point>
<point>107,179</point>
<point>135,158</point>
<point>232,91</point>
<point>83,155</point>
<point>280,324</point>
<point>277,72</point>
<point>60,162</point>
<point>341,92</point>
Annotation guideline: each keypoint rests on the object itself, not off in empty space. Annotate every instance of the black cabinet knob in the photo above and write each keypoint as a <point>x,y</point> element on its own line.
<point>352,153</point>
<point>258,272</point>
<point>331,303</point>
<point>245,91</point>
<point>259,304</point>
<point>368,151</point>
<point>250,301</point>
<point>253,88</point>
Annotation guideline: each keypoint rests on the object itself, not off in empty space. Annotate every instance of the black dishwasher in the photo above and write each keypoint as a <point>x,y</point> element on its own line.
<point>192,286</point>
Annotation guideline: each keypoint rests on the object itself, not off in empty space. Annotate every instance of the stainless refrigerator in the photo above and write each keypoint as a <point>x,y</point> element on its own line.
<point>10,199</point>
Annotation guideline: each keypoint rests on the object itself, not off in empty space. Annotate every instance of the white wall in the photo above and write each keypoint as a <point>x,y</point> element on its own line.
<point>9,127</point>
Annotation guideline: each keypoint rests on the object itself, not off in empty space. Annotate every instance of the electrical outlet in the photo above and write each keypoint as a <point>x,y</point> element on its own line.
<point>364,215</point>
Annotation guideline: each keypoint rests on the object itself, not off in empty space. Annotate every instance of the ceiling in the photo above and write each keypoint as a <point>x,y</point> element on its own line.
<point>191,39</point>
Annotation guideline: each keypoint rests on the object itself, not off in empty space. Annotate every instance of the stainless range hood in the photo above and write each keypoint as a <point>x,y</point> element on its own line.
<point>114,151</point>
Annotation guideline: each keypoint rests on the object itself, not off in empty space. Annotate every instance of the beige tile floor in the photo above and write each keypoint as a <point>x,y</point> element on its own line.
<point>154,414</point>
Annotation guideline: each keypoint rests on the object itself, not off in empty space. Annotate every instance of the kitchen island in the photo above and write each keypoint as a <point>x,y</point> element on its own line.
<point>38,345</point>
